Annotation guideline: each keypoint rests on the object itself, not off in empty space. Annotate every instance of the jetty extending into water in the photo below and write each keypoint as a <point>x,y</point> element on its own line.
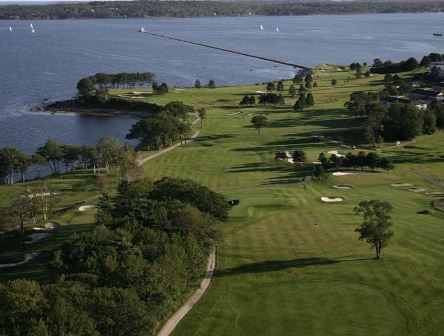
<point>298,66</point>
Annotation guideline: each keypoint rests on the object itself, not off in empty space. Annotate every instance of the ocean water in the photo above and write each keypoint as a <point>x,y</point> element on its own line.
<point>48,63</point>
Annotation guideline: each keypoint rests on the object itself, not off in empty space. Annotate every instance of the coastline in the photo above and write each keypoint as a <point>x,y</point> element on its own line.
<point>71,106</point>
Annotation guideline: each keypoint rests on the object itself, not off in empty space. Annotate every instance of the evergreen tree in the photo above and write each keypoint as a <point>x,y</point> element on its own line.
<point>309,101</point>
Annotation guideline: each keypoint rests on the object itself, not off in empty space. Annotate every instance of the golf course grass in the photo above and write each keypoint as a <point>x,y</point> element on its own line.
<point>289,263</point>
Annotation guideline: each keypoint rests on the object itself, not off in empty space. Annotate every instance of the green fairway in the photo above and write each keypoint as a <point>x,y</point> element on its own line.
<point>289,263</point>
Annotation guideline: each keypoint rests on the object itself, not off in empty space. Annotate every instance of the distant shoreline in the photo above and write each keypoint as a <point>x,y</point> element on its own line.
<point>196,9</point>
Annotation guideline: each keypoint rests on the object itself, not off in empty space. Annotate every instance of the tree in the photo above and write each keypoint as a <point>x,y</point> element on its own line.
<point>403,122</point>
<point>52,152</point>
<point>374,123</point>
<point>245,100</point>
<point>202,113</point>
<point>12,161</point>
<point>259,121</point>
<point>270,87</point>
<point>299,156</point>
<point>301,103</point>
<point>280,86</point>
<point>85,88</point>
<point>302,89</point>
<point>70,154</point>
<point>429,122</point>
<point>38,161</point>
<point>211,84</point>
<point>292,90</point>
<point>334,82</point>
<point>318,171</point>
<point>197,84</point>
<point>309,100</point>
<point>375,228</point>
<point>109,151</point>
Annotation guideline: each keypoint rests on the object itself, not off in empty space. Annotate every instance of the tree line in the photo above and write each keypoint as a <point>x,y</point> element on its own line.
<point>109,154</point>
<point>147,251</point>
<point>140,9</point>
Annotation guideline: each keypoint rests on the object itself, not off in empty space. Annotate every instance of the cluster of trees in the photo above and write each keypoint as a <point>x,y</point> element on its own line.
<point>140,9</point>
<point>271,99</point>
<point>166,127</point>
<point>211,84</point>
<point>37,202</point>
<point>397,122</point>
<point>147,251</point>
<point>108,154</point>
<point>432,57</point>
<point>388,67</point>
<point>394,85</point>
<point>297,155</point>
<point>248,100</point>
<point>160,89</point>
<point>304,100</point>
<point>361,160</point>
<point>122,79</point>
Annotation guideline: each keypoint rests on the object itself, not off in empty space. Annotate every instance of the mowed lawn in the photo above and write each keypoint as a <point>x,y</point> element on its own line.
<point>290,264</point>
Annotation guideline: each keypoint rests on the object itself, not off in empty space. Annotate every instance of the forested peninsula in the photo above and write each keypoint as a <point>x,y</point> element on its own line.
<point>140,9</point>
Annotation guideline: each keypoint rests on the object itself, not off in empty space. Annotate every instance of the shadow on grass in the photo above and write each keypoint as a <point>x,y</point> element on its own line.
<point>278,265</point>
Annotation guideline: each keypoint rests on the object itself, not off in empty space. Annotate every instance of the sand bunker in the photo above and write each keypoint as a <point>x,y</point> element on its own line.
<point>335,152</point>
<point>28,257</point>
<point>435,193</point>
<point>401,185</point>
<point>87,207</point>
<point>417,189</point>
<point>47,227</point>
<point>260,92</point>
<point>343,186</point>
<point>36,237</point>
<point>331,199</point>
<point>349,172</point>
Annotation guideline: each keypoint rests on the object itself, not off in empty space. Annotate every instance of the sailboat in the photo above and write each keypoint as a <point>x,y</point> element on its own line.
<point>32,27</point>
<point>10,28</point>
<point>277,29</point>
<point>262,28</point>
<point>141,30</point>
<point>32,30</point>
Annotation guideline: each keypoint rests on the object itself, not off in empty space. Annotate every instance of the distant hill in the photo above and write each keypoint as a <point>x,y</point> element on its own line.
<point>138,9</point>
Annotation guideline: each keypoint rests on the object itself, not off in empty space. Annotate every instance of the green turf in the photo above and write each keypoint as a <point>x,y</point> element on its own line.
<point>290,264</point>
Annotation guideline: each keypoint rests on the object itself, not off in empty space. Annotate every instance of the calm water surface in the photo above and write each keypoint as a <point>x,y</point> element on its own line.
<point>48,64</point>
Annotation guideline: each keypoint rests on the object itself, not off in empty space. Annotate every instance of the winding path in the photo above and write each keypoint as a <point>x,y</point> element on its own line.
<point>174,320</point>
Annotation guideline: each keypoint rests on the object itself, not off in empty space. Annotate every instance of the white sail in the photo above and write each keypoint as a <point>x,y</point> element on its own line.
<point>142,30</point>
<point>262,28</point>
<point>277,29</point>
<point>32,27</point>
<point>32,30</point>
<point>10,28</point>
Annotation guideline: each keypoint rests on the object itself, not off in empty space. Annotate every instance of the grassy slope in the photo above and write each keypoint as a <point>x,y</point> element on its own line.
<point>278,273</point>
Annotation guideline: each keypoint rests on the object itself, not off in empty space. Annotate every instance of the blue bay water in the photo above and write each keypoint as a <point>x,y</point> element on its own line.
<point>48,63</point>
